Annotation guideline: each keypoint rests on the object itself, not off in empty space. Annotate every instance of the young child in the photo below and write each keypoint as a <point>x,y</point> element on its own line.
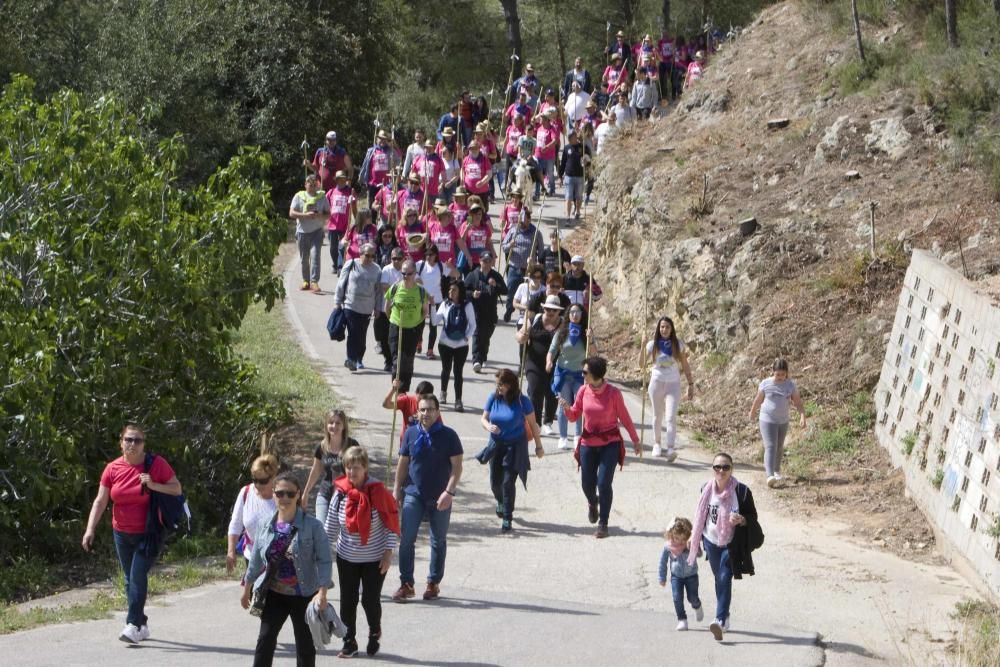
<point>682,576</point>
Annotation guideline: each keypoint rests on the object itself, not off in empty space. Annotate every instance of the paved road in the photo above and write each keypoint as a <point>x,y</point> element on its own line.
<point>550,591</point>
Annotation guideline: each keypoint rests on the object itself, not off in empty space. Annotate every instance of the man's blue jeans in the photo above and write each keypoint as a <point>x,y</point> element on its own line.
<point>135,566</point>
<point>547,169</point>
<point>571,385</point>
<point>678,586</point>
<point>413,513</point>
<point>718,558</point>
<point>515,277</point>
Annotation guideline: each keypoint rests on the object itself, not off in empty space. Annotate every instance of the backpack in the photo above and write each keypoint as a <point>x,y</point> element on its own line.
<point>456,322</point>
<point>169,516</point>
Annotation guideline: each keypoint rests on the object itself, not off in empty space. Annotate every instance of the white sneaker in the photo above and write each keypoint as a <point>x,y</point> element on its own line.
<point>778,479</point>
<point>725,626</point>
<point>547,429</point>
<point>682,625</point>
<point>772,482</point>
<point>563,443</point>
<point>144,633</point>
<point>130,635</point>
<point>671,455</point>
<point>477,367</point>
<point>657,450</point>
<point>699,613</point>
<point>716,629</point>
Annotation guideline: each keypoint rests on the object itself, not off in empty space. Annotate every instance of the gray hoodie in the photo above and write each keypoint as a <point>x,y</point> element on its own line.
<point>358,288</point>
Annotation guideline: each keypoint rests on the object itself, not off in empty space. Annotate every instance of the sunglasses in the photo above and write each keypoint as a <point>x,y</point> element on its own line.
<point>133,441</point>
<point>407,275</point>
<point>397,259</point>
<point>722,468</point>
<point>369,255</point>
<point>261,482</point>
<point>285,494</point>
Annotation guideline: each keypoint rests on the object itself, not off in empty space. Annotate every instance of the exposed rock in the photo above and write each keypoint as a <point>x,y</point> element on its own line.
<point>831,138</point>
<point>888,136</point>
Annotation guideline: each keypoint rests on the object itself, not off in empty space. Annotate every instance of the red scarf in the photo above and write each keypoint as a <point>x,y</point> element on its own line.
<point>360,503</point>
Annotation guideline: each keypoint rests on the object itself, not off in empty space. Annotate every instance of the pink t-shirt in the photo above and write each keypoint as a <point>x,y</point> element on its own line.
<point>402,231</point>
<point>444,237</point>
<point>131,505</point>
<point>407,199</point>
<point>475,170</point>
<point>355,239</point>
<point>477,239</point>
<point>694,73</point>
<point>379,167</point>
<point>666,47</point>
<point>601,413</point>
<point>429,169</point>
<point>517,108</point>
<point>341,203</point>
<point>543,136</point>
<point>459,212</point>
<point>509,218</point>
<point>383,198</point>
<point>514,133</point>
<point>613,76</point>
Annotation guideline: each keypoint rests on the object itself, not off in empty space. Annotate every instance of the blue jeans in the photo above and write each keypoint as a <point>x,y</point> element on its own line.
<point>546,169</point>
<point>515,277</point>
<point>322,507</point>
<point>597,472</point>
<point>413,513</point>
<point>718,558</point>
<point>336,254</point>
<point>135,566</point>
<point>571,385</point>
<point>678,586</point>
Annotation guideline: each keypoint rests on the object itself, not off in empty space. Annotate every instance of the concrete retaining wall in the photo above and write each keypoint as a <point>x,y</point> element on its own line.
<point>937,409</point>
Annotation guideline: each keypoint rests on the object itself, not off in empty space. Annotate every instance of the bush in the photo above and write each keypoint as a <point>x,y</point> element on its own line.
<point>119,294</point>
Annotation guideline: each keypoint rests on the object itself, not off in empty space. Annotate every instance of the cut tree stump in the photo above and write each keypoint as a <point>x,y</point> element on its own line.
<point>852,175</point>
<point>777,123</point>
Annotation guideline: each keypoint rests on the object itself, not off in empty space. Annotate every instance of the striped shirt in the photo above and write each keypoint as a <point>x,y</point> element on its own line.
<point>348,545</point>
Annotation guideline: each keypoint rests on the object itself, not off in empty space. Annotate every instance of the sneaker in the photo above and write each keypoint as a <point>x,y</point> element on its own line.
<point>547,429</point>
<point>772,482</point>
<point>778,479</point>
<point>716,629</point>
<point>130,634</point>
<point>347,363</point>
<point>420,347</point>
<point>373,645</point>
<point>144,633</point>
<point>458,406</point>
<point>563,443</point>
<point>601,532</point>
<point>351,366</point>
<point>657,450</point>
<point>387,367</point>
<point>315,287</point>
<point>499,510</point>
<point>403,593</point>
<point>592,513</point>
<point>477,367</point>
<point>432,591</point>
<point>505,527</point>
<point>725,626</point>
<point>350,649</point>
<point>682,625</point>
<point>304,286</point>
<point>359,366</point>
<point>444,395</point>
<point>671,455</point>
<point>699,614</point>
<point>430,355</point>
<point>506,317</point>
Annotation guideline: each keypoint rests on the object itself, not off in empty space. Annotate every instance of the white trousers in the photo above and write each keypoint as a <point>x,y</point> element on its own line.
<point>666,397</point>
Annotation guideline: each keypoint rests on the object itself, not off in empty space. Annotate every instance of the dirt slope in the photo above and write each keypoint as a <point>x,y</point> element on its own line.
<point>801,286</point>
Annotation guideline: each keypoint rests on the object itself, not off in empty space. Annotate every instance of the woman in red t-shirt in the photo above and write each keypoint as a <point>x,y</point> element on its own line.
<point>126,483</point>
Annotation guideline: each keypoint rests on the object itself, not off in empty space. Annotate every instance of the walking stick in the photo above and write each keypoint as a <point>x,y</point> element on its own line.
<point>531,253</point>
<point>607,40</point>
<point>506,93</point>
<point>645,381</point>
<point>392,432</point>
<point>305,155</point>
<point>590,324</point>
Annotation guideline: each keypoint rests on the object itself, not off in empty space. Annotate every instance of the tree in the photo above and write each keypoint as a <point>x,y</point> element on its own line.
<point>665,14</point>
<point>513,23</point>
<point>951,22</point>
<point>857,29</point>
<point>119,292</point>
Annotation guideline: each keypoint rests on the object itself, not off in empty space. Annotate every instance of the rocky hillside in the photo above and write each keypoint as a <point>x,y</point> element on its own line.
<point>667,236</point>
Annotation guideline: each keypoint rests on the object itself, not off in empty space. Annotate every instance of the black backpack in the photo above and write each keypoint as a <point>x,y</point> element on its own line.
<point>169,516</point>
<point>456,322</point>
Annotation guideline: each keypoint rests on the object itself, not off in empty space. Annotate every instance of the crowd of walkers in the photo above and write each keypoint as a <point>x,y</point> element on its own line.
<point>421,256</point>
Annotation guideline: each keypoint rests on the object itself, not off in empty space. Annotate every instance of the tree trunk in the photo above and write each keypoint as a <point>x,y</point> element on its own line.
<point>951,21</point>
<point>628,16</point>
<point>513,38</point>
<point>560,43</point>
<point>857,29</point>
<point>666,14</point>
<point>996,6</point>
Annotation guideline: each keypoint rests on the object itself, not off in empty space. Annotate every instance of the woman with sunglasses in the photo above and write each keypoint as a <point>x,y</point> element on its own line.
<point>290,566</point>
<point>725,524</point>
<point>127,483</point>
<point>254,506</point>
<point>565,360</point>
<point>326,462</point>
<point>601,446</point>
<point>361,232</point>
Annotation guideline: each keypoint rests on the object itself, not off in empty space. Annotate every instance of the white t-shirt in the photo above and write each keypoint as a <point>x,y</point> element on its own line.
<point>603,131</point>
<point>430,277</point>
<point>390,276</point>
<point>665,368</point>
<point>523,294</point>
<point>711,527</point>
<point>249,516</point>
<point>441,318</point>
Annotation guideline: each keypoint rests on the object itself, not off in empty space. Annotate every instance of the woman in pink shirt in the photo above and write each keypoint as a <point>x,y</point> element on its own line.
<point>601,446</point>
<point>343,207</point>
<point>477,172</point>
<point>547,143</point>
<point>361,232</point>
<point>476,235</point>
<point>429,168</point>
<point>443,233</point>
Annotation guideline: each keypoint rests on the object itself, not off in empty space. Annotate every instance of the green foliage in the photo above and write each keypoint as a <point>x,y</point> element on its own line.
<point>841,440</point>
<point>811,407</point>
<point>715,360</point>
<point>977,644</point>
<point>993,530</point>
<point>260,72</point>
<point>938,479</point>
<point>24,577</point>
<point>908,442</point>
<point>119,293</point>
<point>861,412</point>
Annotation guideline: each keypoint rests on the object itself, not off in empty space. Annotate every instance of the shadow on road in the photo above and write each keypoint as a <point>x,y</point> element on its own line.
<point>480,605</point>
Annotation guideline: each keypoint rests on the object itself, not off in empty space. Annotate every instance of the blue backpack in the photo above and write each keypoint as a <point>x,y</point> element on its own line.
<point>168,516</point>
<point>456,322</point>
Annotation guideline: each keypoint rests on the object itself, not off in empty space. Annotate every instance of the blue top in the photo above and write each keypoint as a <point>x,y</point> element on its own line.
<point>430,465</point>
<point>508,417</point>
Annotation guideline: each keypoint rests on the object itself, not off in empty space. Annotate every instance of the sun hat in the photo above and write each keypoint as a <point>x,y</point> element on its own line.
<point>552,303</point>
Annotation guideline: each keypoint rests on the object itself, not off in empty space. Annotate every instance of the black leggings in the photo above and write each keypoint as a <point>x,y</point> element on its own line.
<point>431,337</point>
<point>277,608</point>
<point>450,356</point>
<point>540,393</point>
<point>369,579</point>
<point>503,479</point>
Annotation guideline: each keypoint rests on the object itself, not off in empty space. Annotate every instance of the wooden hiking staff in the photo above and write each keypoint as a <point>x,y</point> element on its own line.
<point>590,304</point>
<point>506,95</point>
<point>392,432</point>
<point>305,156</point>
<point>528,267</point>
<point>645,382</point>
